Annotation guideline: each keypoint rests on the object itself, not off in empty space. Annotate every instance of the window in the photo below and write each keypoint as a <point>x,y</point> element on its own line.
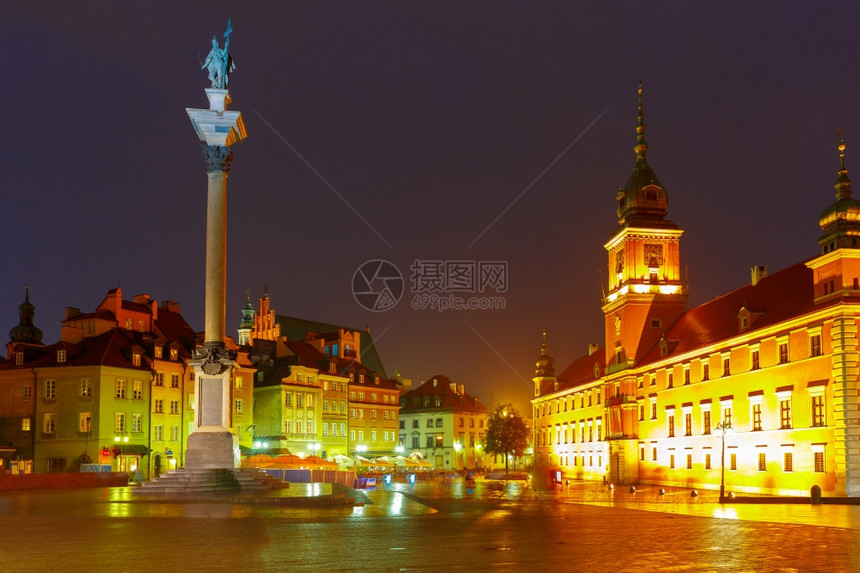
<point>136,423</point>
<point>50,389</point>
<point>755,360</point>
<point>642,411</point>
<point>671,419</point>
<point>653,453</point>
<point>706,422</point>
<point>342,429</point>
<point>672,460</point>
<point>25,424</point>
<point>157,352</point>
<point>309,402</point>
<point>670,380</point>
<point>817,410</point>
<point>288,399</point>
<point>298,426</point>
<point>785,413</point>
<point>120,388</point>
<point>86,422</point>
<point>430,443</point>
<point>238,382</point>
<point>654,410</point>
<point>158,433</point>
<point>159,378</point>
<point>288,426</point>
<point>135,359</point>
<point>818,458</point>
<point>707,461</point>
<point>19,359</point>
<point>159,406</point>
<point>174,433</point>
<point>686,376</point>
<point>361,435</point>
<point>325,406</point>
<point>641,454</point>
<point>688,424</point>
<point>385,415</point>
<point>49,425</point>
<point>361,396</point>
<point>27,391</point>
<point>352,413</point>
<point>756,416</point>
<point>174,406</point>
<point>689,461</point>
<point>61,355</point>
<point>815,345</point>
<point>86,388</point>
<point>309,426</point>
<point>733,461</point>
<point>438,422</point>
<point>174,354</point>
<point>787,461</point>
<point>137,390</point>
<point>783,352</point>
<point>191,401</point>
<point>415,423</point>
<point>727,415</point>
<point>762,461</point>
<point>462,422</point>
<point>372,435</point>
<point>726,366</point>
<point>325,429</point>
<point>373,414</point>
<point>373,397</point>
<point>119,423</point>
<point>174,380</point>
<point>300,400</point>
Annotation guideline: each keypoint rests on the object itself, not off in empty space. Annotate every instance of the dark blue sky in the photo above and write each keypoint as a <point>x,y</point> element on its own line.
<point>430,118</point>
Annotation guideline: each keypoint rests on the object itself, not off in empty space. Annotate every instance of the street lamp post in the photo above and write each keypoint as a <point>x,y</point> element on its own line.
<point>723,428</point>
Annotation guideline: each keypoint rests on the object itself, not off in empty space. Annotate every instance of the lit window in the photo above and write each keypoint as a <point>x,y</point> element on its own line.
<point>49,423</point>
<point>135,359</point>
<point>119,422</point>
<point>86,422</point>
<point>818,458</point>
<point>61,355</point>
<point>25,424</point>
<point>158,352</point>
<point>785,413</point>
<point>815,345</point>
<point>818,410</point>
<point>136,423</point>
<point>756,416</point>
<point>137,390</point>
<point>288,399</point>
<point>158,433</point>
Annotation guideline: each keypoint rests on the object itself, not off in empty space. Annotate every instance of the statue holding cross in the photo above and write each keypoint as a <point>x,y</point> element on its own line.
<point>219,63</point>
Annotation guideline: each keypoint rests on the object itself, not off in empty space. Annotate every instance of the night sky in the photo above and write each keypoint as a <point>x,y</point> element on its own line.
<point>430,119</point>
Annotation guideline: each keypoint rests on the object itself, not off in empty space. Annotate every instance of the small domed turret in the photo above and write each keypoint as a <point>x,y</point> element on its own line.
<point>841,220</point>
<point>26,332</point>
<point>545,365</point>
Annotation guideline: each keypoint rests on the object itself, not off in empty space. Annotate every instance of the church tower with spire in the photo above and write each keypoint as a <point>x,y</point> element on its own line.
<point>544,378</point>
<point>25,332</point>
<point>646,293</point>
<point>246,325</point>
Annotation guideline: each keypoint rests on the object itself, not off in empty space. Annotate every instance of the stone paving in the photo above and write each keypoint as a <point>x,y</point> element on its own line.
<point>431,527</point>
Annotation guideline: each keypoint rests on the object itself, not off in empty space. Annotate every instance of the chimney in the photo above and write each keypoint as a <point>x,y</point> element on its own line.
<point>171,306</point>
<point>72,312</point>
<point>757,273</point>
<point>592,348</point>
<point>141,298</point>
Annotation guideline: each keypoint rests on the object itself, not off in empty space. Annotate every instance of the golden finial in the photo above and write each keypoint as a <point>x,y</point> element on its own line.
<point>843,183</point>
<point>641,146</point>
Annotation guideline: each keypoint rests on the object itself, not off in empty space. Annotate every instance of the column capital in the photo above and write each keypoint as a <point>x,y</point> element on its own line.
<point>218,157</point>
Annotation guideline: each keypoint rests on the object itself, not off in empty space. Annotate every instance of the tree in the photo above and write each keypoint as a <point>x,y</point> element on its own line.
<point>506,433</point>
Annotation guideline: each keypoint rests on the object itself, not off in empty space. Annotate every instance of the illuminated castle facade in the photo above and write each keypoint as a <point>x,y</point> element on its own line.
<point>762,381</point>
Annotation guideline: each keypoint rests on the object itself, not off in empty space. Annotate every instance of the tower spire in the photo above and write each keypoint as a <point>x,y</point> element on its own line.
<point>641,147</point>
<point>843,183</point>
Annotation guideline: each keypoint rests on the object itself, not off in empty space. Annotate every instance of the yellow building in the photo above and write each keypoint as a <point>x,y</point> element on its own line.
<point>769,372</point>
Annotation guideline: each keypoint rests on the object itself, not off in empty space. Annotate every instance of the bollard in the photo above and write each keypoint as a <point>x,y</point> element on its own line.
<point>815,495</point>
<point>662,491</point>
<point>632,489</point>
<point>694,493</point>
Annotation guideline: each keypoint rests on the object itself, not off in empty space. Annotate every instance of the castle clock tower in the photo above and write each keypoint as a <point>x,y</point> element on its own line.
<point>645,292</point>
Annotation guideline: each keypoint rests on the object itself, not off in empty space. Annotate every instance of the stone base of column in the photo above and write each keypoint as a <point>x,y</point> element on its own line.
<point>212,450</point>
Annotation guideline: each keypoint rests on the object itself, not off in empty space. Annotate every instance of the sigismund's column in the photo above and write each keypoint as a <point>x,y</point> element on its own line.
<point>211,445</point>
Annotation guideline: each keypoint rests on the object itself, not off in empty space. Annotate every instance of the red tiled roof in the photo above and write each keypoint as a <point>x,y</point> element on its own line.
<point>112,348</point>
<point>449,397</point>
<point>778,297</point>
<point>581,371</point>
